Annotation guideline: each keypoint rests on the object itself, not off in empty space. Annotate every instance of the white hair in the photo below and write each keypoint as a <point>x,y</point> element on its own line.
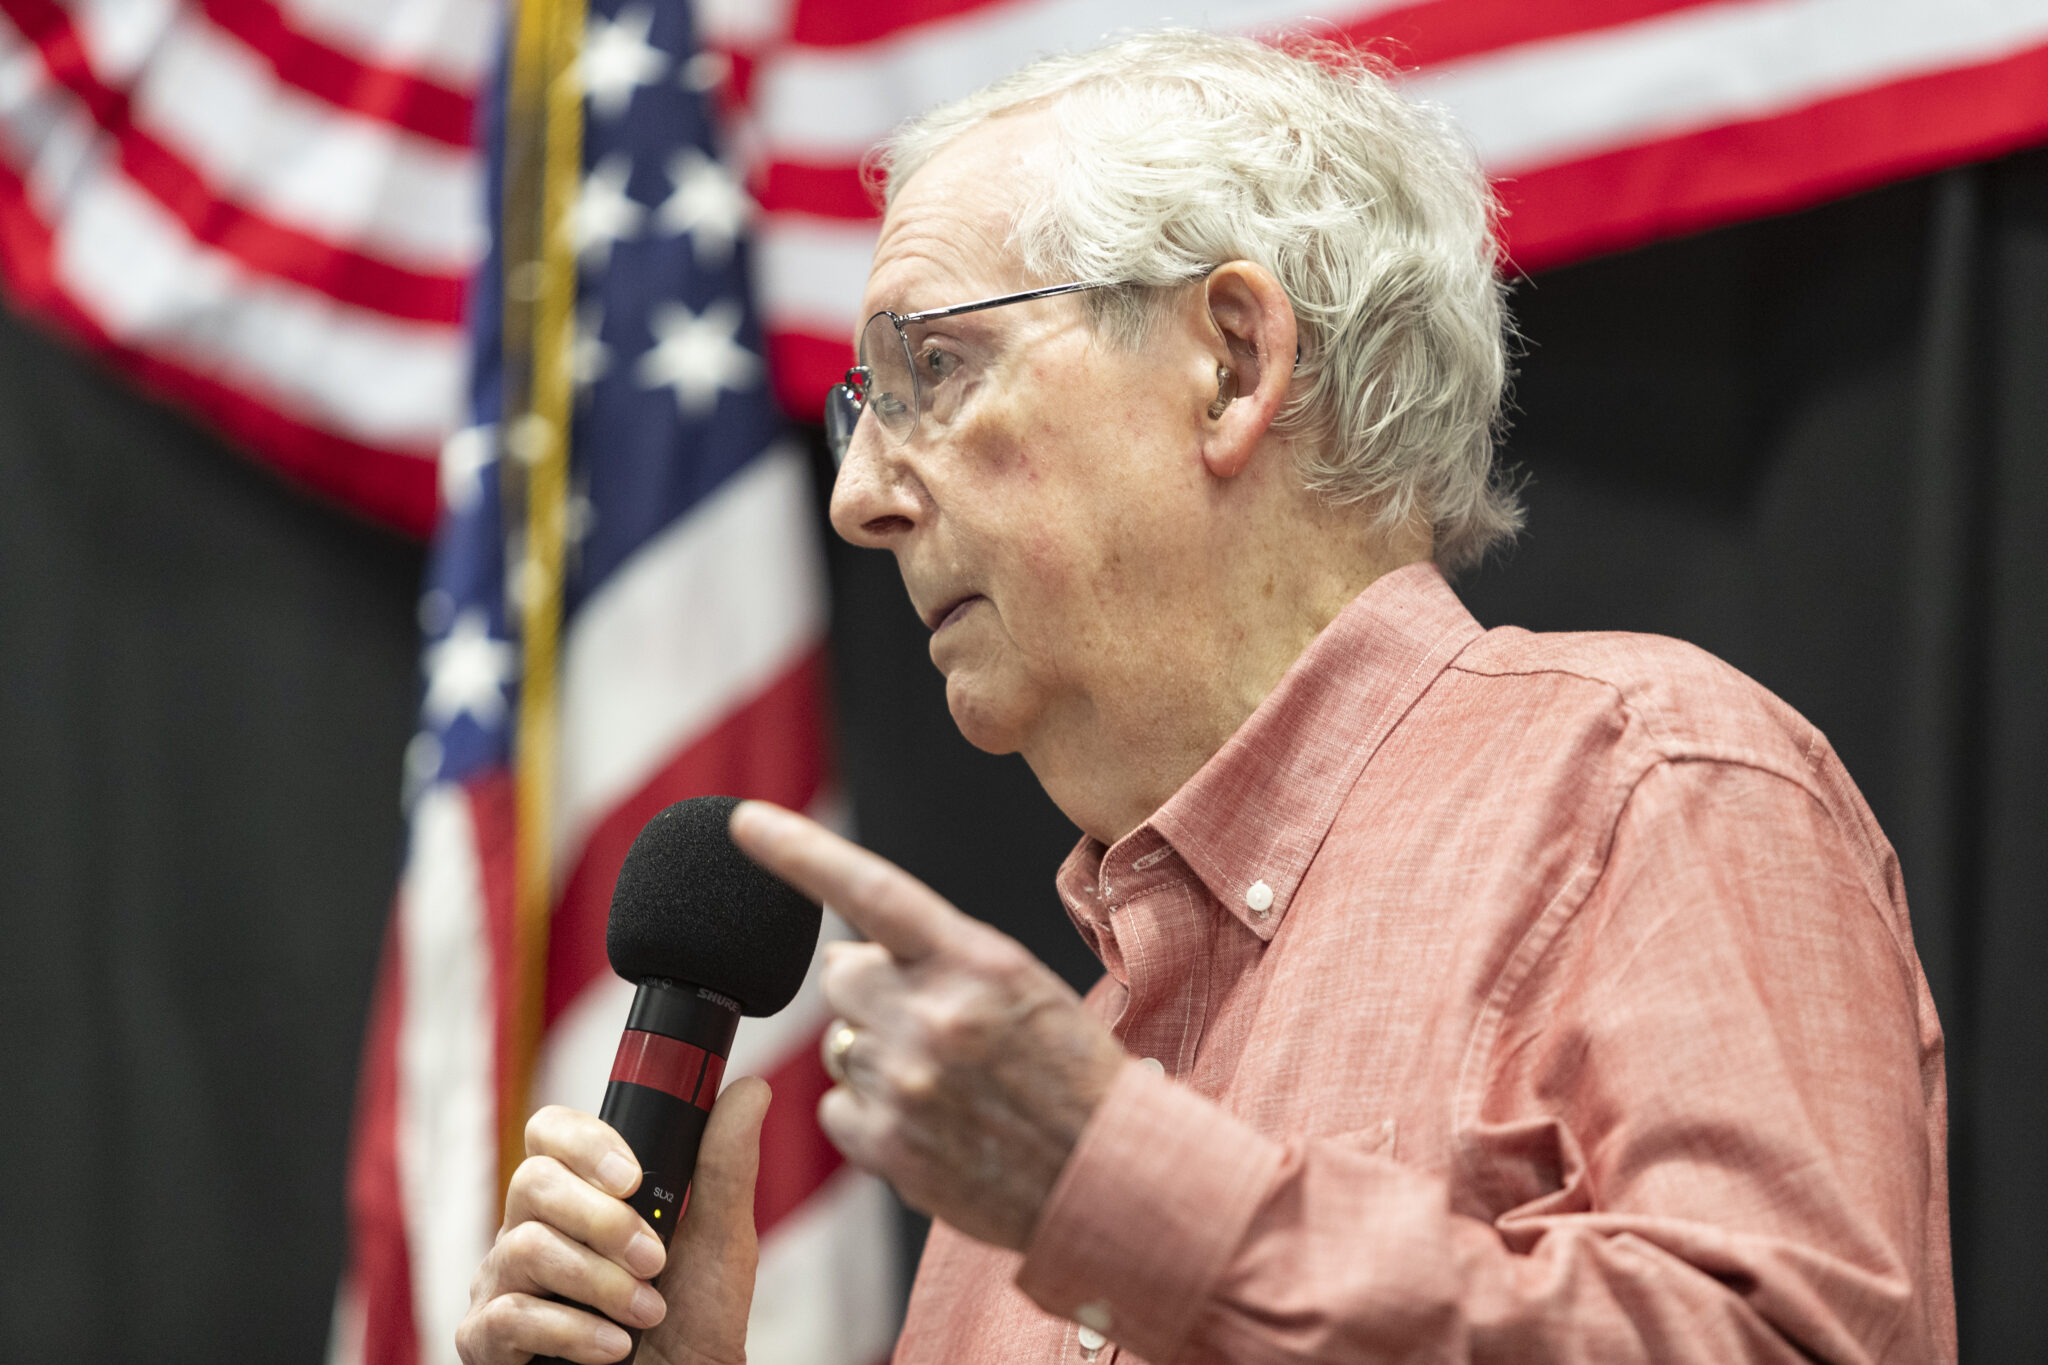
<point>1177,151</point>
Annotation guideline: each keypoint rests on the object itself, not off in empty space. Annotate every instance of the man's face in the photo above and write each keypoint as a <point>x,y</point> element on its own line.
<point>1046,513</point>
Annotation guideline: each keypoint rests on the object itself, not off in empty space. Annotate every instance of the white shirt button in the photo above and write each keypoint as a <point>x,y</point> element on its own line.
<point>1092,1342</point>
<point>1259,897</point>
<point>1153,1065</point>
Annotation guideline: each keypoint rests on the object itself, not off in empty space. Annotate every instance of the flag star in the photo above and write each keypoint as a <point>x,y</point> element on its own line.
<point>464,457</point>
<point>697,355</point>
<point>704,72</point>
<point>579,519</point>
<point>590,358</point>
<point>707,203</point>
<point>467,671</point>
<point>604,213</point>
<point>617,59</point>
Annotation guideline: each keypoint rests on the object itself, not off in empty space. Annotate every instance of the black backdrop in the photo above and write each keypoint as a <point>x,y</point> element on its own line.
<point>1817,446</point>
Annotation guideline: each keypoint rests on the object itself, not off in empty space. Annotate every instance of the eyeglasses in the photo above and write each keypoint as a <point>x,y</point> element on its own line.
<point>888,381</point>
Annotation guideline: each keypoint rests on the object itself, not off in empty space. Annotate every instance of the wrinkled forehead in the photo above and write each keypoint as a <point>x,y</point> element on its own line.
<point>947,236</point>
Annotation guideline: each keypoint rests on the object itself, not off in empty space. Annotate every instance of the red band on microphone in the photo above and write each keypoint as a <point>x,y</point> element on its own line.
<point>707,1089</point>
<point>664,1064</point>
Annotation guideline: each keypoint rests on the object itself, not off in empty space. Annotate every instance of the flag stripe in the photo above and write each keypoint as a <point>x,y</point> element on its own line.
<point>1708,65</point>
<point>1723,174</point>
<point>446,1110</point>
<point>428,108</point>
<point>449,42</point>
<point>796,1157</point>
<point>824,1295</point>
<point>1435,31</point>
<point>379,1267</point>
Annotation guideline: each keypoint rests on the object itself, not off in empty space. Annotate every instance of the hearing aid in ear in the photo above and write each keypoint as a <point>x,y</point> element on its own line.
<point>1226,391</point>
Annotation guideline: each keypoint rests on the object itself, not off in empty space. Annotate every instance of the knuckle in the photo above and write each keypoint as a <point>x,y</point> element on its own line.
<point>529,1244</point>
<point>542,1125</point>
<point>913,1081</point>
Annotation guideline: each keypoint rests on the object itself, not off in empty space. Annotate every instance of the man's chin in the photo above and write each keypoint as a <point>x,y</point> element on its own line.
<point>989,727</point>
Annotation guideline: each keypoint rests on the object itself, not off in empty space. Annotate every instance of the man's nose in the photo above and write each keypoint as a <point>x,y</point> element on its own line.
<point>874,500</point>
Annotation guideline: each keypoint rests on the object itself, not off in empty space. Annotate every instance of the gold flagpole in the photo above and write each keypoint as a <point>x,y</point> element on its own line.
<point>543,170</point>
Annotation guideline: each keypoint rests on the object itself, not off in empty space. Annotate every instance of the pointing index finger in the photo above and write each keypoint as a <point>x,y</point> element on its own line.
<point>869,892</point>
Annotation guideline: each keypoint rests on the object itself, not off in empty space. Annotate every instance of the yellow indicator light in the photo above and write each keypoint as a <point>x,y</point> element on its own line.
<point>657,1213</point>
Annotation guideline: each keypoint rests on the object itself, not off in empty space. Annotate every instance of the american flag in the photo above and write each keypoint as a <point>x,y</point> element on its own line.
<point>692,620</point>
<point>266,209</point>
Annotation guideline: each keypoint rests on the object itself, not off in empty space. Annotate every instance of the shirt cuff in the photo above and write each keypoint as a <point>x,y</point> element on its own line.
<point>1154,1200</point>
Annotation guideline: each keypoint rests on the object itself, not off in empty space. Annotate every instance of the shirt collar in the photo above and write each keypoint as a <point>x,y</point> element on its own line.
<point>1256,813</point>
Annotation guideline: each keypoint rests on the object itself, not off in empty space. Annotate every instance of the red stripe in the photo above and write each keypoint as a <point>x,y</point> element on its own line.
<point>379,1267</point>
<point>493,798</point>
<point>825,190</point>
<point>1721,175</point>
<point>396,487</point>
<point>772,747</point>
<point>1411,35</point>
<point>661,1063</point>
<point>346,275</point>
<point>1446,30</point>
<point>804,368</point>
<point>796,1156</point>
<point>835,23</point>
<point>347,82</point>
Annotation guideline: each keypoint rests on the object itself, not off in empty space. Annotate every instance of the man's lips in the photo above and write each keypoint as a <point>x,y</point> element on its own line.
<point>943,617</point>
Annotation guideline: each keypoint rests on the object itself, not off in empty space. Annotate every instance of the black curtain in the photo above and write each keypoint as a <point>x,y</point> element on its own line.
<point>1813,445</point>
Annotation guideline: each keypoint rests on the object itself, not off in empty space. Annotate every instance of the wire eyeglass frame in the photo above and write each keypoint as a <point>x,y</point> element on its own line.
<point>850,397</point>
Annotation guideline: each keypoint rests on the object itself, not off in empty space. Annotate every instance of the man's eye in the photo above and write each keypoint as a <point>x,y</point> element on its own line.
<point>935,365</point>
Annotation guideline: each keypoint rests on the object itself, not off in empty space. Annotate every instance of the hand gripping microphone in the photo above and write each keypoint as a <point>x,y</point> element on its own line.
<point>707,935</point>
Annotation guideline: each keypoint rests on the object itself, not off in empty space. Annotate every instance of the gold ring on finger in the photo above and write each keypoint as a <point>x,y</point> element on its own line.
<point>838,1042</point>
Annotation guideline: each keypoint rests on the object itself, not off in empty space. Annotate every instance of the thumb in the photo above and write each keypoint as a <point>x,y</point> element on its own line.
<point>729,1159</point>
<point>709,1281</point>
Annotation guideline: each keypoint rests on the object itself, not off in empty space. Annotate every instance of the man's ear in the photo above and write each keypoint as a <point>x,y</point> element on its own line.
<point>1256,347</point>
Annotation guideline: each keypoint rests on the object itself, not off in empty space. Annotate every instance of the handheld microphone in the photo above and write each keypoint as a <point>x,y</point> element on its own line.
<point>707,935</point>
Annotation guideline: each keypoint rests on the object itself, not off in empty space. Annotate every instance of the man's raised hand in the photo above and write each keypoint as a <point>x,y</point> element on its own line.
<point>972,1068</point>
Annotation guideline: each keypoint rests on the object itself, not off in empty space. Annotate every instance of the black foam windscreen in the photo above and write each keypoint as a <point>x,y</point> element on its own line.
<point>691,907</point>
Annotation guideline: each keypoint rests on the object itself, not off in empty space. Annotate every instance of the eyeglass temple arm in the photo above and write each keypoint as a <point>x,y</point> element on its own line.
<point>931,314</point>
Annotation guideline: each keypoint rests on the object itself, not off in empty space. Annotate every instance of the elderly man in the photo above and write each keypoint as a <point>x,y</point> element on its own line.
<point>1469,994</point>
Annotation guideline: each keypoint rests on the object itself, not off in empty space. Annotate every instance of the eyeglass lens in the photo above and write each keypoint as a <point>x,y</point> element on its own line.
<point>892,390</point>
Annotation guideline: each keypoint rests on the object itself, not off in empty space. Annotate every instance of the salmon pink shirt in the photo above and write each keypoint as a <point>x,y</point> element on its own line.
<point>1503,997</point>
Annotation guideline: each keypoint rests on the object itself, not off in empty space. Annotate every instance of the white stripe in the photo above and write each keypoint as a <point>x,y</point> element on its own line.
<point>1546,103</point>
<point>699,620</point>
<point>261,143</point>
<point>576,1056</point>
<point>826,1291</point>
<point>741,24</point>
<point>446,1137</point>
<point>811,272</point>
<point>821,104</point>
<point>450,42</point>
<point>348,1327</point>
<point>136,271</point>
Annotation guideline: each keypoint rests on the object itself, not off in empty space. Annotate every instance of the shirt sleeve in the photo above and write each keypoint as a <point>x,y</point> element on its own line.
<point>1702,1134</point>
